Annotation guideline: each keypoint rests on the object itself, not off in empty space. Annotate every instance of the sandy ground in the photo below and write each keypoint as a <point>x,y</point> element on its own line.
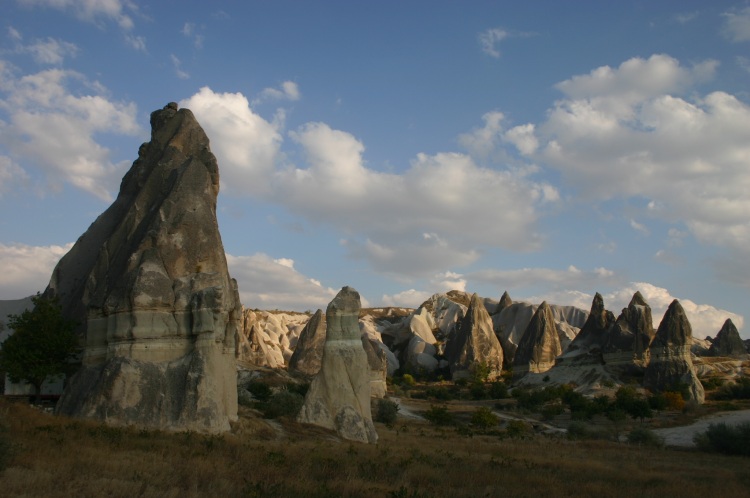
<point>683,436</point>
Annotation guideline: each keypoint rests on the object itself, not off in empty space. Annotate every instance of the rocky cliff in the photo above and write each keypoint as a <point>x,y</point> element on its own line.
<point>540,344</point>
<point>670,366</point>
<point>727,342</point>
<point>148,282</point>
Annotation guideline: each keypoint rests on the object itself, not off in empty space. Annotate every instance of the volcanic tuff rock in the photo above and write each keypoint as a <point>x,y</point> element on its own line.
<point>728,341</point>
<point>632,333</point>
<point>148,282</point>
<point>504,302</point>
<point>474,342</point>
<point>309,351</point>
<point>378,363</point>
<point>594,332</point>
<point>339,396</point>
<point>540,344</point>
<point>670,367</point>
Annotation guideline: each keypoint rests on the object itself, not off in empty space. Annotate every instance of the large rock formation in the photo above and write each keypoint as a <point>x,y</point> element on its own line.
<point>148,282</point>
<point>670,367</point>
<point>628,341</point>
<point>540,344</point>
<point>378,364</point>
<point>727,342</point>
<point>308,353</point>
<point>474,343</point>
<point>339,396</point>
<point>594,332</point>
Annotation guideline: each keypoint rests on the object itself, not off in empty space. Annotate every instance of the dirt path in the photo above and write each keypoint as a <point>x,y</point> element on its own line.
<point>683,436</point>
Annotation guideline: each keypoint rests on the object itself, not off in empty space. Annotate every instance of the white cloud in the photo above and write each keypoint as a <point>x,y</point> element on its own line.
<point>178,67</point>
<point>52,119</point>
<point>268,283</point>
<point>737,25</point>
<point>638,227</point>
<point>93,11</point>
<point>288,90</point>
<point>407,299</point>
<point>626,132</point>
<point>571,277</point>
<point>12,176</point>
<point>136,42</point>
<point>27,269</point>
<point>489,39</point>
<point>50,51</point>
<point>245,144</point>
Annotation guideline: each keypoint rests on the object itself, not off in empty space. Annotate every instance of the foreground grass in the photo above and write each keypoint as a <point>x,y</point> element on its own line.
<point>56,456</point>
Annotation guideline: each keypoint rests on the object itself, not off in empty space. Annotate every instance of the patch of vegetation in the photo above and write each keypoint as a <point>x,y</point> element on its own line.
<point>283,404</point>
<point>712,383</point>
<point>727,439</point>
<point>260,391</point>
<point>483,418</point>
<point>498,390</point>
<point>439,415</point>
<point>386,412</point>
<point>645,437</point>
<point>519,429</point>
<point>6,448</point>
<point>740,389</point>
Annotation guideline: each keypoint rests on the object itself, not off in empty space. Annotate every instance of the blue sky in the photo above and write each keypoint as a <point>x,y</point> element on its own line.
<point>551,149</point>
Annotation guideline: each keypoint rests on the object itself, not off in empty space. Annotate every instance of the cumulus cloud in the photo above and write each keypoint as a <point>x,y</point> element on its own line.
<point>51,118</point>
<point>178,67</point>
<point>288,90</point>
<point>736,26</point>
<point>49,51</point>
<point>245,144</point>
<point>268,283</point>
<point>27,269</point>
<point>572,277</point>
<point>93,11</point>
<point>628,132</point>
<point>412,298</point>
<point>489,39</point>
<point>12,176</point>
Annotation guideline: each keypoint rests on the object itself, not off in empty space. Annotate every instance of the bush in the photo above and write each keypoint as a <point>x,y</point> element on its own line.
<point>477,390</point>
<point>386,412</point>
<point>483,418</point>
<point>519,429</point>
<point>740,389</point>
<point>727,439</point>
<point>439,392</point>
<point>675,401</point>
<point>552,410</point>
<point>645,437</point>
<point>408,380</point>
<point>659,402</point>
<point>577,430</point>
<point>498,390</point>
<point>283,404</point>
<point>260,391</point>
<point>439,415</point>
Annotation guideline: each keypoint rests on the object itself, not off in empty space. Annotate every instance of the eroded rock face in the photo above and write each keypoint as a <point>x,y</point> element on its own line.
<point>505,301</point>
<point>670,366</point>
<point>474,342</point>
<point>728,341</point>
<point>339,396</point>
<point>594,332</point>
<point>308,354</point>
<point>540,344</point>
<point>148,282</point>
<point>631,335</point>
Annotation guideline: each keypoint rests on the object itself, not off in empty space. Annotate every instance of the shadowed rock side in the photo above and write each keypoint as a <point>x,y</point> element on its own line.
<point>727,342</point>
<point>148,282</point>
<point>308,354</point>
<point>540,344</point>
<point>505,301</point>
<point>670,367</point>
<point>587,345</point>
<point>378,364</point>
<point>339,396</point>
<point>628,341</point>
<point>474,342</point>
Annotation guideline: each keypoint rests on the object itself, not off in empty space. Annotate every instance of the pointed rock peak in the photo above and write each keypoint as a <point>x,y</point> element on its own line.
<point>505,301</point>
<point>347,301</point>
<point>597,304</point>
<point>728,341</point>
<point>475,302</point>
<point>674,329</point>
<point>638,300</point>
<point>729,327</point>
<point>544,305</point>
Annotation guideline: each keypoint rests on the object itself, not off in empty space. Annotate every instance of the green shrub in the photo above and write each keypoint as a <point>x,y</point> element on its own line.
<point>498,390</point>
<point>477,390</point>
<point>552,410</point>
<point>519,429</point>
<point>408,380</point>
<point>439,392</point>
<point>645,437</point>
<point>712,383</point>
<point>480,372</point>
<point>727,439</point>
<point>577,430</point>
<point>283,404</point>
<point>439,415</point>
<point>740,389</point>
<point>260,390</point>
<point>386,412</point>
<point>483,418</point>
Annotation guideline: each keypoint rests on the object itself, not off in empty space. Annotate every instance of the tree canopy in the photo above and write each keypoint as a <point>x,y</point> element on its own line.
<point>43,345</point>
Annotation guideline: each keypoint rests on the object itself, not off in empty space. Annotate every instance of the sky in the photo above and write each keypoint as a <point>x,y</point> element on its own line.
<point>550,149</point>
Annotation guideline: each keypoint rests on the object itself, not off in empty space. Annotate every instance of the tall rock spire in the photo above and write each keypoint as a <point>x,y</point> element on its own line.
<point>149,284</point>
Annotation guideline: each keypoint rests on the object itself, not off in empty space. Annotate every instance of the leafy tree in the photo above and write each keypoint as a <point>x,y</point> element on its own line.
<point>43,345</point>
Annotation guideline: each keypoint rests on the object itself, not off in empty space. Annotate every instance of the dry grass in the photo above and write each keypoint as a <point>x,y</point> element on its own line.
<point>56,456</point>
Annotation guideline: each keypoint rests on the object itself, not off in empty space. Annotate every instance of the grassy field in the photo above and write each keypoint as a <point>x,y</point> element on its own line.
<point>55,456</point>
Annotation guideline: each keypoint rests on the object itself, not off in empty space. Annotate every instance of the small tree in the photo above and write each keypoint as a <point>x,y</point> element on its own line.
<point>43,345</point>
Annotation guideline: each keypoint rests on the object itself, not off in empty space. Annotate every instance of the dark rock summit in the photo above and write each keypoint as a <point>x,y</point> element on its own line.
<point>474,342</point>
<point>308,353</point>
<point>671,367</point>
<point>727,342</point>
<point>632,333</point>
<point>594,332</point>
<point>539,345</point>
<point>148,282</point>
